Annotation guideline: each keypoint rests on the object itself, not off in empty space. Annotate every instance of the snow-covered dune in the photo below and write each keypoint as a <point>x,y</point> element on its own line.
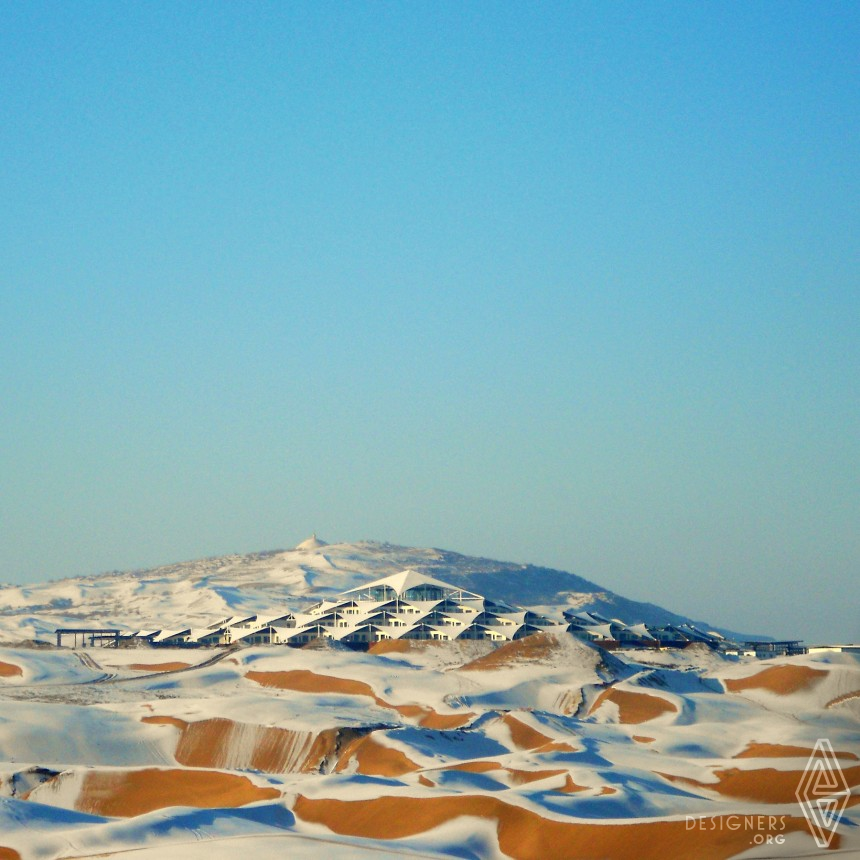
<point>538,747</point>
<point>409,749</point>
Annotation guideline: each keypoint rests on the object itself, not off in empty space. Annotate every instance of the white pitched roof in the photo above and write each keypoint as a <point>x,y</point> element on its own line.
<point>406,579</point>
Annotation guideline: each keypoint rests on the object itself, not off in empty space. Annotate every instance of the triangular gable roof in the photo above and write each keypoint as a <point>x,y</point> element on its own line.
<point>169,634</point>
<point>604,630</point>
<point>406,579</point>
<point>641,630</point>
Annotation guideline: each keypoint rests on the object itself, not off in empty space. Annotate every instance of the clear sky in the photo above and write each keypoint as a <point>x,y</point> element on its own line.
<point>575,284</point>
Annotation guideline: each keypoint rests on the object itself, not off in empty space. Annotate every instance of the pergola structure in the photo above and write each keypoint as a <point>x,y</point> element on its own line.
<point>105,636</point>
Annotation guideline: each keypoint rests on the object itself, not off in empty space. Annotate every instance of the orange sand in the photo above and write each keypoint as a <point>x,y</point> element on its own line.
<point>755,750</point>
<point>374,759</point>
<point>305,681</point>
<point>783,680</point>
<point>324,746</point>
<point>159,667</point>
<point>844,698</point>
<point>762,785</point>
<point>526,738</point>
<point>522,777</point>
<point>402,646</point>
<point>165,721</point>
<point>207,744</point>
<point>538,646</point>
<point>525,834</point>
<point>430,719</point>
<point>634,707</point>
<point>124,794</point>
<point>643,739</point>
<point>222,743</point>
<point>9,854</point>
<point>570,786</point>
<point>9,670</point>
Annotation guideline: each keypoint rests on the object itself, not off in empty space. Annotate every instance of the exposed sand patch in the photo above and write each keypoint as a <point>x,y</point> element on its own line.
<point>474,766</point>
<point>305,681</point>
<point>643,739</point>
<point>782,680</point>
<point>403,646</point>
<point>222,743</point>
<point>756,750</point>
<point>126,793</point>
<point>538,646</point>
<point>165,721</point>
<point>428,718</point>
<point>374,759</point>
<point>522,777</point>
<point>760,785</point>
<point>843,698</point>
<point>634,707</point>
<point>525,737</point>
<point>10,670</point>
<point>570,786</point>
<point>159,667</point>
<point>9,854</point>
<point>525,834</point>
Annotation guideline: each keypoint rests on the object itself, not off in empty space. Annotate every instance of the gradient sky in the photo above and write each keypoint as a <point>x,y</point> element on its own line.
<point>574,284</point>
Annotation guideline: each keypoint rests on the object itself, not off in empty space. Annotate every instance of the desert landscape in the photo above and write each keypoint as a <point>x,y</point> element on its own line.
<point>544,746</point>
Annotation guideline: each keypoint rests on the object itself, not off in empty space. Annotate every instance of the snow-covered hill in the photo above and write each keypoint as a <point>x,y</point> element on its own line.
<point>200,592</point>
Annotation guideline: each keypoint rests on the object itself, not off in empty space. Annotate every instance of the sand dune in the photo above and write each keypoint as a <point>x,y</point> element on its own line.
<point>525,835</point>
<point>520,778</point>
<point>403,646</point>
<point>126,793</point>
<point>843,698</point>
<point>783,680</point>
<point>305,681</point>
<point>428,718</point>
<point>634,707</point>
<point>525,737</point>
<point>757,750</point>
<point>223,743</point>
<point>759,785</point>
<point>474,766</point>
<point>540,646</point>
<point>9,670</point>
<point>523,777</point>
<point>373,759</point>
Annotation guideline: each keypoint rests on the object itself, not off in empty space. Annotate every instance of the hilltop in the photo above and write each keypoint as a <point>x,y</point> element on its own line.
<point>201,591</point>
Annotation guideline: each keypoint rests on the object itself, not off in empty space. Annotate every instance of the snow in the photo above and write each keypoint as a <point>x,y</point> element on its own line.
<point>312,751</point>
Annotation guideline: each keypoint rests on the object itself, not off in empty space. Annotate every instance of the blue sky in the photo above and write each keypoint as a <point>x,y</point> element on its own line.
<point>572,284</point>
